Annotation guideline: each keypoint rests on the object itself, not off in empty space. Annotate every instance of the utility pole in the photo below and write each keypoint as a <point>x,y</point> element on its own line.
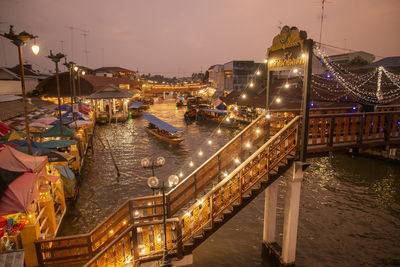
<point>56,58</point>
<point>322,21</point>
<point>85,34</point>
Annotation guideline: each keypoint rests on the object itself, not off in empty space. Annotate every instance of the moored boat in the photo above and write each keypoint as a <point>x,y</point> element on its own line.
<point>162,130</point>
<point>136,109</point>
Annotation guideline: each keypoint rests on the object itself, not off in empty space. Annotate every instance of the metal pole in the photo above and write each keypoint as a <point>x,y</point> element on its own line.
<point>79,84</point>
<point>28,139</point>
<point>308,44</point>
<point>165,227</point>
<point>59,101</point>
<point>73,85</point>
<point>70,82</point>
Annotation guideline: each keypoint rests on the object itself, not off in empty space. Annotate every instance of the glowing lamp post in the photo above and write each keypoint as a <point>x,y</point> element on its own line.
<point>154,184</point>
<point>20,40</point>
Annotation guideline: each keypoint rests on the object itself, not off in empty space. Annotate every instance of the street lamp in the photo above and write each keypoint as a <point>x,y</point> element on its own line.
<point>19,40</point>
<point>154,184</point>
<point>147,163</point>
<point>56,58</point>
<point>80,72</point>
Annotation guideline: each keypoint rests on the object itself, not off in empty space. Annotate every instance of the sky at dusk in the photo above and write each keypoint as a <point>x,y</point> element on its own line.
<point>178,37</point>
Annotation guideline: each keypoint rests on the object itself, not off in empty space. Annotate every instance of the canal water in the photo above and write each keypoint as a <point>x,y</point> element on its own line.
<point>349,210</point>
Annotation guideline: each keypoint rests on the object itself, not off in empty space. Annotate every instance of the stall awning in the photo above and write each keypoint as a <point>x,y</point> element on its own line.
<point>161,124</point>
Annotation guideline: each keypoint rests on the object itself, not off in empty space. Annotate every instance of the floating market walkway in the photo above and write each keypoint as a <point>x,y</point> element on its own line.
<point>222,186</point>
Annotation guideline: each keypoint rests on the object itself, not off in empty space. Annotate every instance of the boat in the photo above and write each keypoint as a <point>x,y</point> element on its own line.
<point>136,109</point>
<point>190,115</point>
<point>216,115</point>
<point>162,130</point>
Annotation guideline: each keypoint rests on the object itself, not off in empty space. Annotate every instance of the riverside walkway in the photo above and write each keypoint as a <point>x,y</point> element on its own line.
<point>220,187</point>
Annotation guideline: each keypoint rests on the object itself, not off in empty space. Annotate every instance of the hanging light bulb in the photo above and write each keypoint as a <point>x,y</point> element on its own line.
<point>268,116</point>
<point>248,145</point>
<point>83,72</point>
<point>191,164</point>
<point>180,174</point>
<point>258,73</point>
<point>251,84</point>
<point>227,119</point>
<point>303,55</point>
<point>76,68</point>
<point>237,161</point>
<point>200,153</point>
<point>286,85</point>
<point>35,48</point>
<point>278,100</point>
<point>265,60</point>
<point>258,131</point>
<point>236,108</point>
<point>295,70</point>
<point>243,96</point>
<point>209,142</point>
<point>225,174</point>
<point>219,131</point>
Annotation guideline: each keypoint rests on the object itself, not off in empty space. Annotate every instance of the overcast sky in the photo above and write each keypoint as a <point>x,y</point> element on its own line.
<point>176,37</point>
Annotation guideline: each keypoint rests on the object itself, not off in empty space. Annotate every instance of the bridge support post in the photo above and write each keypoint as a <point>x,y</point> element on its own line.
<point>271,198</point>
<point>291,218</point>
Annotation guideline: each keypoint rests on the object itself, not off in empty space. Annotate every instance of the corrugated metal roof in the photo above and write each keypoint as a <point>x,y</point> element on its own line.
<point>110,92</point>
<point>161,124</point>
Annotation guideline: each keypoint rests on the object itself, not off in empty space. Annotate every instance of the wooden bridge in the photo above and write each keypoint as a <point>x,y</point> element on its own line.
<point>220,187</point>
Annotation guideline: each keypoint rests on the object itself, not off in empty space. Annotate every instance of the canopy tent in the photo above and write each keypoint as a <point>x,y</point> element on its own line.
<point>136,105</point>
<point>22,145</point>
<point>52,144</point>
<point>6,177</point>
<point>20,192</point>
<point>161,124</point>
<point>13,135</point>
<point>65,107</point>
<point>56,132</point>
<point>14,160</point>
<point>216,111</point>
<point>4,128</point>
<point>83,108</point>
<point>69,181</point>
<point>44,121</point>
<point>56,156</point>
<point>79,123</point>
<point>64,120</point>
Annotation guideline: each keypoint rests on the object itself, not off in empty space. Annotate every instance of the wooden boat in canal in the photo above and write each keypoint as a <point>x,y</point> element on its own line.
<point>221,117</point>
<point>162,130</point>
<point>136,109</point>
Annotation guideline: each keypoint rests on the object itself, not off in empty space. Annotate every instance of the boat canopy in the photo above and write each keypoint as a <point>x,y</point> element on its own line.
<point>217,111</point>
<point>161,124</point>
<point>136,105</point>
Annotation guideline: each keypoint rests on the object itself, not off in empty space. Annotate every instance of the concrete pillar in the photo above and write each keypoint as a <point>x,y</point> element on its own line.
<point>291,219</point>
<point>271,198</point>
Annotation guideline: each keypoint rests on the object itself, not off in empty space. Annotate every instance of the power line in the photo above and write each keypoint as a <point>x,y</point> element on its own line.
<point>343,48</point>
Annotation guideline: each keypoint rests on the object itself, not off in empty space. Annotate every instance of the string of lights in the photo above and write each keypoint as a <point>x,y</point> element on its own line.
<point>358,89</point>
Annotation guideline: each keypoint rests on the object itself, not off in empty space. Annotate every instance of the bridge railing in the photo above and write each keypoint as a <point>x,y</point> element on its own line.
<point>139,242</point>
<point>77,248</point>
<point>330,131</point>
<point>232,189</point>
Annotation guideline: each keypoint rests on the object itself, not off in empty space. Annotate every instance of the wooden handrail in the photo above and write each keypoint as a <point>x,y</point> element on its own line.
<point>246,162</point>
<point>40,214</point>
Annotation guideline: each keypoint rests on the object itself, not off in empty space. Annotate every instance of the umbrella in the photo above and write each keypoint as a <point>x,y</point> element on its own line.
<point>14,160</point>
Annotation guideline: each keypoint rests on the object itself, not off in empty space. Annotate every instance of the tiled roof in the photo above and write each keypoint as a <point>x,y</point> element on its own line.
<point>110,92</point>
<point>385,62</point>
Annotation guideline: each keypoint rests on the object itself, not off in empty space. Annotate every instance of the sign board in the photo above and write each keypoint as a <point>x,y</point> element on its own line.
<point>287,50</point>
<point>75,108</point>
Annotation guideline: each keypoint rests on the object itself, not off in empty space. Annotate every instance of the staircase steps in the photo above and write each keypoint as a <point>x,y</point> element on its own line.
<point>218,219</point>
<point>228,210</point>
<point>44,235</point>
<point>43,223</point>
